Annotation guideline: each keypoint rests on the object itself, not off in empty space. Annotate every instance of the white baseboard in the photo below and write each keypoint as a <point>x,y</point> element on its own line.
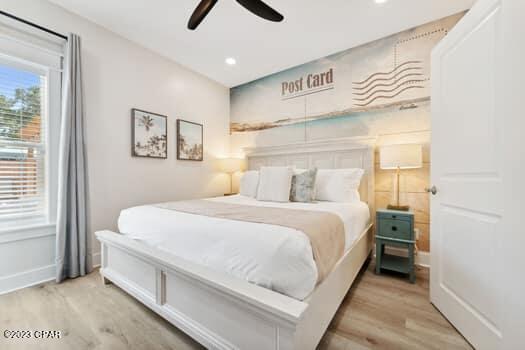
<point>34,276</point>
<point>423,259</point>
<point>27,279</point>
<point>96,259</point>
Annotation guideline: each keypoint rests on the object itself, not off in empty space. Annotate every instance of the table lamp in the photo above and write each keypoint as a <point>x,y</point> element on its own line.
<point>400,157</point>
<point>230,166</point>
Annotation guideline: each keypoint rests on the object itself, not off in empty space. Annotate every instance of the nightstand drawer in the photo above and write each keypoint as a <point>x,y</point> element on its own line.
<point>394,216</point>
<point>395,228</point>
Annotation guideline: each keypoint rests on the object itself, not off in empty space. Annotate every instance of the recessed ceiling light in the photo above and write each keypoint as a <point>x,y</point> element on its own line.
<point>231,61</point>
<point>380,1</point>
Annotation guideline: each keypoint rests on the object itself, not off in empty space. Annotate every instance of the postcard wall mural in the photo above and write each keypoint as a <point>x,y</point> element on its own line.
<point>375,89</point>
<point>380,89</point>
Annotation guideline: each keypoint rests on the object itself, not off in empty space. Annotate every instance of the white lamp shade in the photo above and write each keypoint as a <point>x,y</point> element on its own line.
<point>231,165</point>
<point>401,156</point>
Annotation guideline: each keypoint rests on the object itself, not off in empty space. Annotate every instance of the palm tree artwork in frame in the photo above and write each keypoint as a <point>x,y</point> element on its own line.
<point>149,134</point>
<point>189,140</point>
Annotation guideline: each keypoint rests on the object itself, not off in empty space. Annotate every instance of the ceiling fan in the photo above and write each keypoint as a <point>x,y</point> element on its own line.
<point>256,7</point>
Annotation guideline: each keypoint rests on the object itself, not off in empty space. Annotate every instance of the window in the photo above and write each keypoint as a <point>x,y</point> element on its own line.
<point>30,83</point>
<point>22,147</point>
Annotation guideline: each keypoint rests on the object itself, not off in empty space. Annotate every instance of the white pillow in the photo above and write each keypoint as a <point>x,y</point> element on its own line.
<point>249,183</point>
<point>275,184</point>
<point>338,185</point>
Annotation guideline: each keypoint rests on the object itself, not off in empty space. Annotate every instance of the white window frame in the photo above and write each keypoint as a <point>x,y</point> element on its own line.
<point>41,60</point>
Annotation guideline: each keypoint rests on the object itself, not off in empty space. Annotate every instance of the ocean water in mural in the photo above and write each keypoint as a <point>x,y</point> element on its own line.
<point>382,87</point>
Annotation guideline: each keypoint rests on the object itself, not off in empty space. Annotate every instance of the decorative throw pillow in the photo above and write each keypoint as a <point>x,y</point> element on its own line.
<point>249,183</point>
<point>303,186</point>
<point>274,184</point>
<point>338,185</point>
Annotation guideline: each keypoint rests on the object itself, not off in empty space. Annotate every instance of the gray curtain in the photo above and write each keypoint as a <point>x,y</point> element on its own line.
<point>73,244</point>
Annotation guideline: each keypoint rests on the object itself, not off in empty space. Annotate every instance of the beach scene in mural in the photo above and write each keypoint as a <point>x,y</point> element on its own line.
<point>149,134</point>
<point>379,87</point>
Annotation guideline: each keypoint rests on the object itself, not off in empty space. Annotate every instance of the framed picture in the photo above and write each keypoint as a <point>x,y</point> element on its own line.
<point>189,140</point>
<point>149,134</point>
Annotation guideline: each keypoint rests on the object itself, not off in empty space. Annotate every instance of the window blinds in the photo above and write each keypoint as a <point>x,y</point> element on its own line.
<point>22,147</point>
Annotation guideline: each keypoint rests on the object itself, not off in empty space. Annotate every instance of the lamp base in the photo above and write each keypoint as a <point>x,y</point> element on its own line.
<point>398,207</point>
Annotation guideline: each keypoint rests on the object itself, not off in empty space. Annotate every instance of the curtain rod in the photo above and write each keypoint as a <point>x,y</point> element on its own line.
<point>34,25</point>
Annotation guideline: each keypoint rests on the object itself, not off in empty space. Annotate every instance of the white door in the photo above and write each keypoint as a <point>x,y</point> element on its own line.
<point>471,209</point>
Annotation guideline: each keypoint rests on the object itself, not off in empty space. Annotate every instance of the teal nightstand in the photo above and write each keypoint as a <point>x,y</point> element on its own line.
<point>395,228</point>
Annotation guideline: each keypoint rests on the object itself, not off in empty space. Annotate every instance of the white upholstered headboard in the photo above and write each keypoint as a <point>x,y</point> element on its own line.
<point>326,154</point>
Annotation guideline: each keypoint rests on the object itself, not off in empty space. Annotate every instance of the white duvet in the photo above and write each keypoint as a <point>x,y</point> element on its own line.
<point>274,257</point>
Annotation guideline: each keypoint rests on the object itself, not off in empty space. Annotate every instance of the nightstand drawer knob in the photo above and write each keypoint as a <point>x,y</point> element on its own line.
<point>394,228</point>
<point>394,216</point>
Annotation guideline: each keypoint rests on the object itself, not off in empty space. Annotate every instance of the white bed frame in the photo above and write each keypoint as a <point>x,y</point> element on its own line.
<point>223,312</point>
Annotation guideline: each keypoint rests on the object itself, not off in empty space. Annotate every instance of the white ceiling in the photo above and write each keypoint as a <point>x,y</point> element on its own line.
<point>311,29</point>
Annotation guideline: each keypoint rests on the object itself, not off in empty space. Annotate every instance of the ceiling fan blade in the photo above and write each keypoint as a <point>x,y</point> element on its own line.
<point>260,9</point>
<point>200,12</point>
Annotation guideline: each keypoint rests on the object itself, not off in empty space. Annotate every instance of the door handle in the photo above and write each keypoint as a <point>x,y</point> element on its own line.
<point>432,190</point>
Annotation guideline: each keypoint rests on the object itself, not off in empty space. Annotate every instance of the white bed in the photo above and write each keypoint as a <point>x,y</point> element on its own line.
<point>209,296</point>
<point>271,256</point>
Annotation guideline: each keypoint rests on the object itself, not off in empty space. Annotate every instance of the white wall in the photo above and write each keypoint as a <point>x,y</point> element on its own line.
<point>120,75</point>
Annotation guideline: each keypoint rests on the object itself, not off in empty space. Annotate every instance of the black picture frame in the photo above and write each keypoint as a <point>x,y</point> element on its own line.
<point>148,151</point>
<point>183,155</point>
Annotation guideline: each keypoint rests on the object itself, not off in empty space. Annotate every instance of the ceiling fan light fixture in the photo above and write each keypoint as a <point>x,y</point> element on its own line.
<point>257,7</point>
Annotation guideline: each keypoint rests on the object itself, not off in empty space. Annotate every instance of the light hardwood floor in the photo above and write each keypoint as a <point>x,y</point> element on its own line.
<point>379,312</point>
